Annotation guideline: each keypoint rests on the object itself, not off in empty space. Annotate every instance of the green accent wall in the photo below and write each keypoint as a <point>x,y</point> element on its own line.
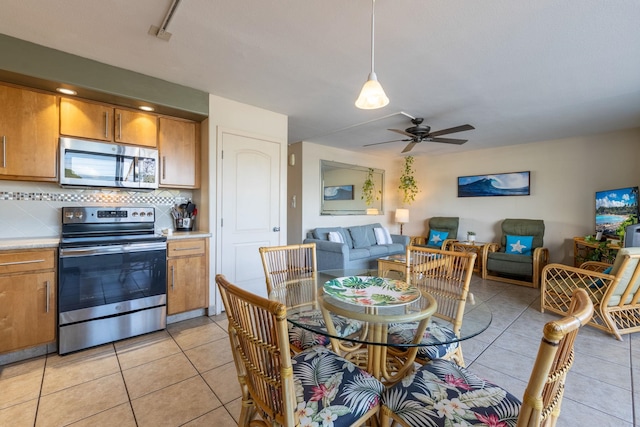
<point>40,67</point>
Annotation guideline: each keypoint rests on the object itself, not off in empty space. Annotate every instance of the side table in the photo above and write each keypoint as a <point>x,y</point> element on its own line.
<point>475,247</point>
<point>392,263</point>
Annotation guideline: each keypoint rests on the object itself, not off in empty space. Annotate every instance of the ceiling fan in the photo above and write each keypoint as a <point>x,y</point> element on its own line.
<point>420,133</point>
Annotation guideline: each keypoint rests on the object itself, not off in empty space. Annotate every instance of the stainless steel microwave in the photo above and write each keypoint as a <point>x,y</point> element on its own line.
<point>98,164</point>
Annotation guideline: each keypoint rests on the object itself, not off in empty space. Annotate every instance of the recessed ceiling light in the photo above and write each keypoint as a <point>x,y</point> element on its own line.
<point>66,91</point>
<point>146,108</point>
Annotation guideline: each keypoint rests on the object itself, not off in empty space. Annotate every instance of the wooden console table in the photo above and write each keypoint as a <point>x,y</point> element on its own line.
<point>474,247</point>
<point>585,251</point>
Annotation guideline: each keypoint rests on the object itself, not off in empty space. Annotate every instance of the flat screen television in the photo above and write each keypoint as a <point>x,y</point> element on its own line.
<point>615,210</point>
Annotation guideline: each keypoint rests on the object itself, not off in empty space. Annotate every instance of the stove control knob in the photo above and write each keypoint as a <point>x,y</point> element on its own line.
<point>79,215</point>
<point>142,214</point>
<point>134,214</point>
<point>69,215</point>
<point>149,213</point>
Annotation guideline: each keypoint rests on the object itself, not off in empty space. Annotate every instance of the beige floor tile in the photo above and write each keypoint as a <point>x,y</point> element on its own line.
<point>210,355</point>
<point>20,415</point>
<point>81,401</point>
<point>19,389</point>
<point>196,336</point>
<point>120,416</point>
<point>176,404</point>
<point>63,373</point>
<point>218,417</point>
<point>223,380</point>
<point>55,359</point>
<point>135,352</point>
<point>234,407</point>
<point>21,368</point>
<point>158,374</point>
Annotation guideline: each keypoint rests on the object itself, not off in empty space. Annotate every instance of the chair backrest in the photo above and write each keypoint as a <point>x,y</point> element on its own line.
<point>286,263</point>
<point>446,276</point>
<point>260,347</point>
<point>543,395</point>
<point>627,267</point>
<point>445,223</point>
<point>523,227</point>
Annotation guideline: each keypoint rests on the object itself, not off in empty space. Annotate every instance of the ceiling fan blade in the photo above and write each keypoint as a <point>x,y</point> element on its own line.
<point>449,140</point>
<point>452,130</point>
<point>386,142</point>
<point>409,147</point>
<point>401,132</point>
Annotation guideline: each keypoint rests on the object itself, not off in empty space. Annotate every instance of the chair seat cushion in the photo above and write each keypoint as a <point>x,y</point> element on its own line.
<point>331,390</point>
<point>403,333</point>
<point>442,393</point>
<point>509,263</point>
<point>304,339</point>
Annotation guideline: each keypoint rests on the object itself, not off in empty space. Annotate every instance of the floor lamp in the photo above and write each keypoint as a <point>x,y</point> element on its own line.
<point>402,217</point>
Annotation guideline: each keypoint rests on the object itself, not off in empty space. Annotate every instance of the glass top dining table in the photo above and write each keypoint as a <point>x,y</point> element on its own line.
<point>321,303</point>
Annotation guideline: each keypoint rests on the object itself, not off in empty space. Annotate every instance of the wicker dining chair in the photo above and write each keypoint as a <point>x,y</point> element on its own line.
<point>441,393</point>
<point>310,387</point>
<point>446,275</point>
<point>286,269</point>
<point>614,290</point>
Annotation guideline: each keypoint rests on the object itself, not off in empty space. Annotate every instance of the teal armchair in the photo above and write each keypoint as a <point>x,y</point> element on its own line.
<point>519,257</point>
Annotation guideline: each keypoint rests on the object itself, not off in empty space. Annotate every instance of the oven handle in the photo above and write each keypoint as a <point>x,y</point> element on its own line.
<point>112,249</point>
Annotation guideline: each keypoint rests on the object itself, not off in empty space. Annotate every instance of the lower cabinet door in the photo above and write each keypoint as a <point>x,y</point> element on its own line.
<point>27,310</point>
<point>186,284</point>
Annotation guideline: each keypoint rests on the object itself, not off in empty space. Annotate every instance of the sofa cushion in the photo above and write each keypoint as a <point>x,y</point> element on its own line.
<point>379,250</point>
<point>322,233</point>
<point>382,236</point>
<point>359,253</point>
<point>360,236</point>
<point>336,236</point>
<point>513,264</point>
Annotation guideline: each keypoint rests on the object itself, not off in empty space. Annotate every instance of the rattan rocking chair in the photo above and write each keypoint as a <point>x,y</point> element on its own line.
<point>281,389</point>
<point>614,294</point>
<point>446,275</point>
<point>429,397</point>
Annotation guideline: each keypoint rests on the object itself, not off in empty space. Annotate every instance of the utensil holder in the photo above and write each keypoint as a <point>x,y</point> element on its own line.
<point>184,224</point>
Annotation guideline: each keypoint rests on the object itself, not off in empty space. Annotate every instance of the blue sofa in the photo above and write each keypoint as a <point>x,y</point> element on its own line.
<point>360,249</point>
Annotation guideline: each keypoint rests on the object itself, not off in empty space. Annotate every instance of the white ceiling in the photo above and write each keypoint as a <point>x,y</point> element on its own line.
<point>519,71</point>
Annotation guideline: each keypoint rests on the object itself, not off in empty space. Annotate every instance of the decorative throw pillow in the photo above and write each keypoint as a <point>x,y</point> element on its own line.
<point>436,238</point>
<point>359,237</point>
<point>519,245</point>
<point>382,236</point>
<point>599,283</point>
<point>334,236</point>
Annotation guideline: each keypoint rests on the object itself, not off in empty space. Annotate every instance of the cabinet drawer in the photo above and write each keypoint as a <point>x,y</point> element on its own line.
<point>185,248</point>
<point>19,261</point>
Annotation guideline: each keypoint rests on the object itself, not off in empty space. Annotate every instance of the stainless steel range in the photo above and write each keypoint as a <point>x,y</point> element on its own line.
<point>112,276</point>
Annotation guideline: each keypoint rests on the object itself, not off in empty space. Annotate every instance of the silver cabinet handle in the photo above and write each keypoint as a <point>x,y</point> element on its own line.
<point>48,295</point>
<point>186,249</point>
<point>173,276</point>
<point>32,261</point>
<point>106,124</point>
<point>4,151</point>
<point>120,126</point>
<point>164,167</point>
<point>276,229</point>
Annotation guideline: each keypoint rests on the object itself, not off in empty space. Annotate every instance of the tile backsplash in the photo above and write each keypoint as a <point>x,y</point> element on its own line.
<point>33,209</point>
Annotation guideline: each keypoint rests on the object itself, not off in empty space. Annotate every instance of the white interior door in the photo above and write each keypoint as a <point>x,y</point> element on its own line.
<point>250,207</point>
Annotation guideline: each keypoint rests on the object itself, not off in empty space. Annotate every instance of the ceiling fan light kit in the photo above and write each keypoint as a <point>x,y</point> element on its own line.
<point>372,95</point>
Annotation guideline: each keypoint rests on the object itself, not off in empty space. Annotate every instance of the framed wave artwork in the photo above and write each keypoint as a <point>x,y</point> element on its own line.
<point>498,184</point>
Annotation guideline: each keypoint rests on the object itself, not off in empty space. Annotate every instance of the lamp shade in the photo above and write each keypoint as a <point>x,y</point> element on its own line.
<point>372,95</point>
<point>402,216</point>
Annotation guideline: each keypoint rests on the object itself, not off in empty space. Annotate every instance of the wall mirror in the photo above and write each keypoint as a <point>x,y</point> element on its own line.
<point>341,189</point>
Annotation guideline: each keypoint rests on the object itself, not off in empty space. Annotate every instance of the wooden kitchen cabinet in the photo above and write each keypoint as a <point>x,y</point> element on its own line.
<point>187,275</point>
<point>104,122</point>
<point>28,135</point>
<point>179,146</point>
<point>27,298</point>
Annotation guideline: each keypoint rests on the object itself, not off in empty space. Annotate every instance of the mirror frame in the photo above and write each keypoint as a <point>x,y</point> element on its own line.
<point>335,174</point>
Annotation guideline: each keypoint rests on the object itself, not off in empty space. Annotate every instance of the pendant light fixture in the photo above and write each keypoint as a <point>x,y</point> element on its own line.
<point>372,95</point>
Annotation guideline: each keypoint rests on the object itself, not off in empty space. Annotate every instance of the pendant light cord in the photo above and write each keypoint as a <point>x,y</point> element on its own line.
<point>373,22</point>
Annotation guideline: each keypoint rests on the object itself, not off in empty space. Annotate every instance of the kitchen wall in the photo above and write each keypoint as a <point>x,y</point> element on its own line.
<point>565,174</point>
<point>33,209</point>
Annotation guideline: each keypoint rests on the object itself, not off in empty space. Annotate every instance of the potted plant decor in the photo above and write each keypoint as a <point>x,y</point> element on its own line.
<point>408,184</point>
<point>471,236</point>
<point>369,193</point>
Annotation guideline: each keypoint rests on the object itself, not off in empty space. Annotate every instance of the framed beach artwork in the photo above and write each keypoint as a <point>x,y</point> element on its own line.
<point>499,184</point>
<point>338,192</point>
<point>615,209</point>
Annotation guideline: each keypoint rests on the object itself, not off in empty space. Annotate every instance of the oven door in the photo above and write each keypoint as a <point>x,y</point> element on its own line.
<point>99,281</point>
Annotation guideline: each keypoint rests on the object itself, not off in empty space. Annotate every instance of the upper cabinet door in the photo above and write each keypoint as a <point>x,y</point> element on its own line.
<point>28,134</point>
<point>134,127</point>
<point>179,153</point>
<point>86,119</point>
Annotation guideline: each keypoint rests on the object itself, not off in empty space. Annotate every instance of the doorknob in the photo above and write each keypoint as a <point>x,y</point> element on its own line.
<point>276,228</point>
